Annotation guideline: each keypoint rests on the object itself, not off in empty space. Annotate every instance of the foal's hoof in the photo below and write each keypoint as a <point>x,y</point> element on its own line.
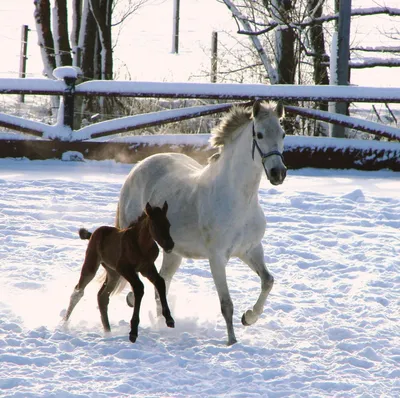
<point>130,299</point>
<point>171,323</point>
<point>132,338</point>
<point>231,341</point>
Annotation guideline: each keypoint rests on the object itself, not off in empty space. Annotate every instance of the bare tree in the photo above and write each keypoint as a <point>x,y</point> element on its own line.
<point>294,36</point>
<point>89,45</point>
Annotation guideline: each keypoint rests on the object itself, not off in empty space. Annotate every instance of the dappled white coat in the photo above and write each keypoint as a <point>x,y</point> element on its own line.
<point>213,210</point>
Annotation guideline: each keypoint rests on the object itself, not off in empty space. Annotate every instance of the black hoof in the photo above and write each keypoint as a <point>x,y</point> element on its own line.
<point>171,323</point>
<point>232,342</point>
<point>132,338</point>
<point>244,323</point>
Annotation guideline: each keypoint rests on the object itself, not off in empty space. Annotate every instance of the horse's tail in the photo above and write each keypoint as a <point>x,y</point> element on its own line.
<point>84,233</point>
<point>122,281</point>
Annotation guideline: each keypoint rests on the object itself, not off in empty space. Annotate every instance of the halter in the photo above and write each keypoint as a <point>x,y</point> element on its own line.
<point>262,154</point>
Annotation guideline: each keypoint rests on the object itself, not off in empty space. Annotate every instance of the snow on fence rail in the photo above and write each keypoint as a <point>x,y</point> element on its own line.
<point>300,151</point>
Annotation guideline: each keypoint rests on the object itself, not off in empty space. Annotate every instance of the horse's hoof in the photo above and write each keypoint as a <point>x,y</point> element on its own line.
<point>171,323</point>
<point>130,299</point>
<point>232,341</point>
<point>244,323</point>
<point>249,318</point>
<point>132,338</point>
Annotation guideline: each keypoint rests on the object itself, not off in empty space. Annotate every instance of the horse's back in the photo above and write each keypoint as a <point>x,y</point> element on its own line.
<point>158,178</point>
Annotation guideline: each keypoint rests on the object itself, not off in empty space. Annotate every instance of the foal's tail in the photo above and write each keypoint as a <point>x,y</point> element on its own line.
<point>84,233</point>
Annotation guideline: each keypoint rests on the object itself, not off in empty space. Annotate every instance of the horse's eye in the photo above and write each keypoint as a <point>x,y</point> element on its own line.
<point>259,136</point>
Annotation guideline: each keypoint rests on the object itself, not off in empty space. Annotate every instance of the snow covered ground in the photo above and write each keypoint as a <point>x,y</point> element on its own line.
<point>330,328</point>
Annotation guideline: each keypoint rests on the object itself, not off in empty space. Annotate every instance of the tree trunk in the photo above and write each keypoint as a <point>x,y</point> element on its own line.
<point>285,51</point>
<point>87,42</point>
<point>317,41</point>
<point>45,36</point>
<point>60,32</point>
<point>76,26</point>
<point>102,15</point>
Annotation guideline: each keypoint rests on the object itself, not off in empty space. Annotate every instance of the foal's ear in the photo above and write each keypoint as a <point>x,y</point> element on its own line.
<point>280,109</point>
<point>148,209</point>
<point>165,207</point>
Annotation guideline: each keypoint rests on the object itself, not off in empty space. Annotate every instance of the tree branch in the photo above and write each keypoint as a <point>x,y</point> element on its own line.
<point>325,18</point>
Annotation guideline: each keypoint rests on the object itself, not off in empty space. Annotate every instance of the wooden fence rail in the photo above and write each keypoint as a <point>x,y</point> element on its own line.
<point>60,138</point>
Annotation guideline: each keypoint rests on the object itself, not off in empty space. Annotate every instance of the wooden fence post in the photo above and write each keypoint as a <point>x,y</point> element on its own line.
<point>23,55</point>
<point>214,56</point>
<point>69,99</point>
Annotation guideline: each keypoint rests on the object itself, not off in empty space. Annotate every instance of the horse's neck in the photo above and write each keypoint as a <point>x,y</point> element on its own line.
<point>235,169</point>
<point>144,236</point>
<point>140,231</point>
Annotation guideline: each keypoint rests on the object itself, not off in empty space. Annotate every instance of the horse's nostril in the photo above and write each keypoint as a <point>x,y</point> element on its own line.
<point>274,172</point>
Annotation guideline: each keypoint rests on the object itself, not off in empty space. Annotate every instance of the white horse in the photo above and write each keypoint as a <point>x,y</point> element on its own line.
<point>214,210</point>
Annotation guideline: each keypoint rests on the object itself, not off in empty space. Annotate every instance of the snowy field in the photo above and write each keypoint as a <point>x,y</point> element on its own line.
<point>330,328</point>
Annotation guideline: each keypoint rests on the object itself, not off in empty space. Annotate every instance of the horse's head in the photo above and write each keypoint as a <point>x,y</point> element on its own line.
<point>159,226</point>
<point>268,138</point>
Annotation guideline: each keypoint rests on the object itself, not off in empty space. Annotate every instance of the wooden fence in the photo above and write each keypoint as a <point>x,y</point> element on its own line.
<point>300,151</point>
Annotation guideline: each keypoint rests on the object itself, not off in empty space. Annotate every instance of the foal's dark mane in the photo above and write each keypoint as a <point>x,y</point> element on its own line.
<point>140,221</point>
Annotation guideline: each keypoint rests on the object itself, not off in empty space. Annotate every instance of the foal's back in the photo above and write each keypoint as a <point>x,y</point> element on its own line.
<point>105,243</point>
<point>112,245</point>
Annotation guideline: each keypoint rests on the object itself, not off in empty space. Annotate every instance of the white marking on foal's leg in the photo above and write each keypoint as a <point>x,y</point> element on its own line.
<point>255,260</point>
<point>76,295</point>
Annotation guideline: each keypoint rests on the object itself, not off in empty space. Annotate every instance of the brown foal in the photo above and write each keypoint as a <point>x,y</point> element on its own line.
<point>127,252</point>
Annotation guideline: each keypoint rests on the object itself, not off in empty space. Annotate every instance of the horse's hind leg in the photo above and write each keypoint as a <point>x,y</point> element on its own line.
<point>88,272</point>
<point>255,260</point>
<point>127,271</point>
<point>103,296</point>
<point>154,277</point>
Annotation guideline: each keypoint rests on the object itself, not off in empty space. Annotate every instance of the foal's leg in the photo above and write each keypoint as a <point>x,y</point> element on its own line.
<point>255,260</point>
<point>88,271</point>
<point>103,296</point>
<point>218,270</point>
<point>127,271</point>
<point>154,277</point>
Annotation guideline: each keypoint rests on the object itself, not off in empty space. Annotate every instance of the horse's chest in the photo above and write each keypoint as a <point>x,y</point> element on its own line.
<point>234,233</point>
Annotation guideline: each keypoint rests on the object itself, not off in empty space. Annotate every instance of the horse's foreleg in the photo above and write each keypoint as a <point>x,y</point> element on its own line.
<point>255,260</point>
<point>218,270</point>
<point>103,296</point>
<point>170,264</point>
<point>128,272</point>
<point>154,277</point>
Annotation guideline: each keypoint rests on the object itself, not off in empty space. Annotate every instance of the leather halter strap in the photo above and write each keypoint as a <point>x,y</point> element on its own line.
<point>262,154</point>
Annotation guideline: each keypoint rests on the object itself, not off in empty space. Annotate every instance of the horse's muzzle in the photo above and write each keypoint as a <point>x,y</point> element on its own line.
<point>168,247</point>
<point>277,175</point>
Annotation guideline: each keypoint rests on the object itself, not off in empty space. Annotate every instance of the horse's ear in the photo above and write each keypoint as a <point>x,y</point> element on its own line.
<point>148,209</point>
<point>280,109</point>
<point>165,207</point>
<point>256,107</point>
